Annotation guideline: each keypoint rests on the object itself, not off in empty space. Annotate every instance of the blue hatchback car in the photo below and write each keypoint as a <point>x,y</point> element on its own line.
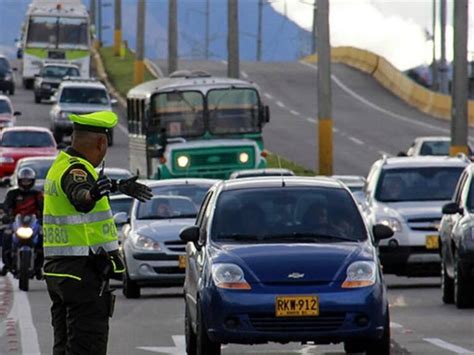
<point>286,259</point>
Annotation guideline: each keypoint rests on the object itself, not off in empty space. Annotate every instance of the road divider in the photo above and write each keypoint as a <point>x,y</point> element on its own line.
<point>425,100</point>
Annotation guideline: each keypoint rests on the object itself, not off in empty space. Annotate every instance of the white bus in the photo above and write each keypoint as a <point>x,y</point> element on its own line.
<point>56,30</point>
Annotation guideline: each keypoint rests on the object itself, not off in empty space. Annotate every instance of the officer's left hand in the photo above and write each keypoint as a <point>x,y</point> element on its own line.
<point>134,189</point>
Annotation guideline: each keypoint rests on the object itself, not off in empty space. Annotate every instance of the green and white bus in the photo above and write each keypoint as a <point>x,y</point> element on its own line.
<point>56,30</point>
<point>195,125</point>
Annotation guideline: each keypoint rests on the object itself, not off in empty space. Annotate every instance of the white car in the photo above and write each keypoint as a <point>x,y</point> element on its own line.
<point>407,194</point>
<point>79,96</point>
<point>438,146</point>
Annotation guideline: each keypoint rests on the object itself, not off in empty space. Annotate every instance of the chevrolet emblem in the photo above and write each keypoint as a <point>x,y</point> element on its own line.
<point>295,275</point>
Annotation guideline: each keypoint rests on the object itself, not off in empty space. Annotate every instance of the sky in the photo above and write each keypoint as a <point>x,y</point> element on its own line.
<point>395,29</point>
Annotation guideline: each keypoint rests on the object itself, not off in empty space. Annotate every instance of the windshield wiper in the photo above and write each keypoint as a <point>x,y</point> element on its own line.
<point>307,237</point>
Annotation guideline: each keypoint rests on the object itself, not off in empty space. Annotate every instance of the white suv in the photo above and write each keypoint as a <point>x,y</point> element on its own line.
<point>407,194</point>
<point>80,96</point>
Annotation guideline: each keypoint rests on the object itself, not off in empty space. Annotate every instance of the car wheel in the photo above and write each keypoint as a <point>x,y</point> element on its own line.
<point>12,91</point>
<point>381,346</point>
<point>130,288</point>
<point>191,348</point>
<point>37,99</point>
<point>463,288</point>
<point>204,345</point>
<point>447,286</point>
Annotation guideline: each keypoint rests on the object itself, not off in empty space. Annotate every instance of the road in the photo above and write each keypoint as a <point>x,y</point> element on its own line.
<point>421,324</point>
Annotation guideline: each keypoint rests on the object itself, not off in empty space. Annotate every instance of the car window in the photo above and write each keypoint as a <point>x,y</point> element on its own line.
<point>27,139</point>
<point>203,209</point>
<point>121,205</point>
<point>460,186</point>
<point>274,214</point>
<point>4,65</point>
<point>41,167</point>
<point>58,72</point>
<point>82,95</point>
<point>470,197</point>
<point>417,184</point>
<point>5,107</point>
<point>194,192</point>
<point>165,207</point>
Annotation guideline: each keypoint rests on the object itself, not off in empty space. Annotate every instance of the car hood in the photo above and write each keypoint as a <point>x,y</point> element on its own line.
<point>163,229</point>
<point>411,210</point>
<point>22,152</point>
<point>83,108</point>
<point>306,263</point>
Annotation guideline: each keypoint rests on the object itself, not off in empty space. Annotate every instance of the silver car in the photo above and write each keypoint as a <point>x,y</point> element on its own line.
<point>406,194</point>
<point>153,252</point>
<point>40,165</point>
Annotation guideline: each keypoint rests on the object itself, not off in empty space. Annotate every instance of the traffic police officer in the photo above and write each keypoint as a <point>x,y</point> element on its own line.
<point>80,237</point>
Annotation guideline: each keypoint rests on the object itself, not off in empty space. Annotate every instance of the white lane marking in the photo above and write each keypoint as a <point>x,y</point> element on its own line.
<point>311,120</point>
<point>179,348</point>
<point>356,140</point>
<point>378,108</point>
<point>281,104</point>
<point>21,312</point>
<point>335,130</point>
<point>307,349</point>
<point>294,113</point>
<point>448,346</point>
<point>123,128</point>
<point>224,62</point>
<point>244,74</point>
<point>399,301</point>
<point>268,96</point>
<point>394,325</point>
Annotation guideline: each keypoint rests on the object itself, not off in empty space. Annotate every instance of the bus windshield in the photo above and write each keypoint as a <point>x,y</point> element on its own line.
<point>62,32</point>
<point>233,111</point>
<point>181,113</point>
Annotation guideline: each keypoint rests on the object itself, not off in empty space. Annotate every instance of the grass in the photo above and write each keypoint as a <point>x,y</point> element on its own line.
<point>272,161</point>
<point>120,71</point>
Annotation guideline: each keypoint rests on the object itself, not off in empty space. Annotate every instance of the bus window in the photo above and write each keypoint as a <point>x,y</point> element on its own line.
<point>233,111</point>
<point>180,113</point>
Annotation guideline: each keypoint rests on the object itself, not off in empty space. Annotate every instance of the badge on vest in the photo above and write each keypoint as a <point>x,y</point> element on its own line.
<point>79,175</point>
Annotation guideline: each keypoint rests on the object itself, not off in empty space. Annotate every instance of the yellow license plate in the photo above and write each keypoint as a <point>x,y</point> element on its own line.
<point>432,242</point>
<point>296,306</point>
<point>182,262</point>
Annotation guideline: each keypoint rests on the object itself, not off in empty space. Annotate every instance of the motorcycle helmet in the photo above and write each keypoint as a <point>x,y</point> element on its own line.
<point>26,178</point>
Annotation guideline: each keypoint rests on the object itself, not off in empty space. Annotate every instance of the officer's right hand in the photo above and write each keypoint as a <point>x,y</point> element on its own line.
<point>101,188</point>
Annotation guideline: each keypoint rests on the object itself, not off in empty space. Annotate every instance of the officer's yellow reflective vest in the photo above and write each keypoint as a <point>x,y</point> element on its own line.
<point>68,232</point>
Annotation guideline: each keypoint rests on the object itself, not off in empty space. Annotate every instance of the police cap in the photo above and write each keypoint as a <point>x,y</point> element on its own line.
<point>100,122</point>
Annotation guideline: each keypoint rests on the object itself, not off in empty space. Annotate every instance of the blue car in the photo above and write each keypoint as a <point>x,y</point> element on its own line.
<point>284,259</point>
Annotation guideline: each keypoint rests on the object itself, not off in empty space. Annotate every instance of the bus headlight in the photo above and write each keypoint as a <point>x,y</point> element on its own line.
<point>244,158</point>
<point>183,161</point>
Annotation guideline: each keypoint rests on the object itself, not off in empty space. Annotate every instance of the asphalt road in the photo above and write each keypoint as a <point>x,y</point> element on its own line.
<point>421,324</point>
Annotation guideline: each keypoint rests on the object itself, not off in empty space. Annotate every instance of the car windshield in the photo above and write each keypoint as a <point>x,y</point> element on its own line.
<point>5,107</point>
<point>116,174</point>
<point>27,139</point>
<point>121,205</point>
<point>179,113</point>
<point>436,148</point>
<point>194,192</point>
<point>290,215</point>
<point>41,167</point>
<point>63,32</point>
<point>84,96</point>
<point>417,184</point>
<point>166,207</point>
<point>233,111</point>
<point>58,72</point>
<point>4,65</point>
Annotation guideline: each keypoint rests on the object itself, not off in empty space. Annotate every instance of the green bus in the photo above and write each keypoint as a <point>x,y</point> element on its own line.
<point>194,125</point>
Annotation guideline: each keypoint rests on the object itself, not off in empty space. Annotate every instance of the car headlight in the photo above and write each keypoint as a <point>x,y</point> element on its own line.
<point>8,77</point>
<point>146,243</point>
<point>244,158</point>
<point>183,161</point>
<point>6,160</point>
<point>229,276</point>
<point>392,223</point>
<point>360,274</point>
<point>24,232</point>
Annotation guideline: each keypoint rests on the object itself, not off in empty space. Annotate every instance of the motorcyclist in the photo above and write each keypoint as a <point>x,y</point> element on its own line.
<point>22,200</point>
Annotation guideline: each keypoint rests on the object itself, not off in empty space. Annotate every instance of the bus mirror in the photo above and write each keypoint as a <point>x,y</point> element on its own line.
<point>266,114</point>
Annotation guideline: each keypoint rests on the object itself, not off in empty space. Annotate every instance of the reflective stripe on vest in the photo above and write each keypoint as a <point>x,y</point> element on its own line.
<point>68,232</point>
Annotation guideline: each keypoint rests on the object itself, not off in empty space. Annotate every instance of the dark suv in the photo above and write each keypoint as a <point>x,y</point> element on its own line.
<point>7,81</point>
<point>49,78</point>
<point>457,244</point>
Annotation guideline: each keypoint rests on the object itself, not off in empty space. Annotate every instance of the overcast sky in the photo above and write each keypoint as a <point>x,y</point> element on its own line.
<point>395,29</point>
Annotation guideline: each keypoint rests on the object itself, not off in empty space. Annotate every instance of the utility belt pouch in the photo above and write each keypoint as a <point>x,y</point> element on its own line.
<point>111,305</point>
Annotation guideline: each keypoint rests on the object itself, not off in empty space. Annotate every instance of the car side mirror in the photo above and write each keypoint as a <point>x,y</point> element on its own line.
<point>190,234</point>
<point>452,208</point>
<point>381,231</point>
<point>121,218</point>
<point>17,113</point>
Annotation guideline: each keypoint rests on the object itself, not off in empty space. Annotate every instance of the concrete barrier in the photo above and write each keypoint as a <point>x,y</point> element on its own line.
<point>394,80</point>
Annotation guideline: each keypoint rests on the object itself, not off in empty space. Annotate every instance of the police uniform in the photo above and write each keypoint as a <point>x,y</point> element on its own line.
<point>76,231</point>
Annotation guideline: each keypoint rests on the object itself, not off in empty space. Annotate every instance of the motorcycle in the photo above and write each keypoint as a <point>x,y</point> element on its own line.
<point>26,241</point>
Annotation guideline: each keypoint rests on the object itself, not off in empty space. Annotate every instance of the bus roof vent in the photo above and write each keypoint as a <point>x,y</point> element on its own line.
<point>190,74</point>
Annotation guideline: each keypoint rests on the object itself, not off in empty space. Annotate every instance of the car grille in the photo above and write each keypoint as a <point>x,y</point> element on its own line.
<point>270,323</point>
<point>176,246</point>
<point>172,270</point>
<point>424,224</point>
